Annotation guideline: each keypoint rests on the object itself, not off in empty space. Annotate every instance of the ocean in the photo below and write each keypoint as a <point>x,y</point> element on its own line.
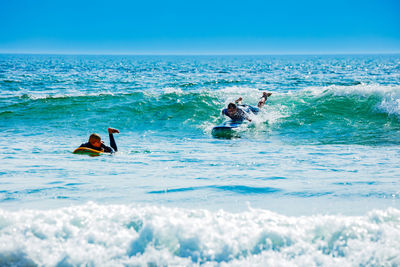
<point>313,180</point>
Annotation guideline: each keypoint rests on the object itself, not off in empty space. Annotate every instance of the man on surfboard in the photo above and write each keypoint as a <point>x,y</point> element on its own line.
<point>239,112</point>
<point>95,142</point>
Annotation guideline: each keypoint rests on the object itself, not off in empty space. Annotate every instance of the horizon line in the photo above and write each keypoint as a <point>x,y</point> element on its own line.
<point>200,54</point>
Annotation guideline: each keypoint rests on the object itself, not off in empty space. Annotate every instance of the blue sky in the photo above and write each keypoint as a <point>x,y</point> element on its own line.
<point>200,27</point>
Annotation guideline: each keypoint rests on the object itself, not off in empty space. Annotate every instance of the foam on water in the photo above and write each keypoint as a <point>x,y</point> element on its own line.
<point>118,235</point>
<point>389,95</point>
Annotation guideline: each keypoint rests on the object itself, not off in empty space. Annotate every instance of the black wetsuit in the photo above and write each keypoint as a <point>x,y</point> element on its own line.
<point>107,149</point>
<point>240,115</point>
<point>242,112</point>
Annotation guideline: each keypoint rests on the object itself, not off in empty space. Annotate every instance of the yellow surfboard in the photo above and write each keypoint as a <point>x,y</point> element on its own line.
<point>87,151</point>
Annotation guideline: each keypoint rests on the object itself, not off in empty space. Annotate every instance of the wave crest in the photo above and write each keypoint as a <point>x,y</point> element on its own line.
<point>358,114</point>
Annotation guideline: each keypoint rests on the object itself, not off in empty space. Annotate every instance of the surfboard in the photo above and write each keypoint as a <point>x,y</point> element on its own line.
<point>87,151</point>
<point>226,129</point>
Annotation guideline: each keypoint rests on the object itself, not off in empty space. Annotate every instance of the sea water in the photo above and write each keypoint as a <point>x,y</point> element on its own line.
<point>313,180</point>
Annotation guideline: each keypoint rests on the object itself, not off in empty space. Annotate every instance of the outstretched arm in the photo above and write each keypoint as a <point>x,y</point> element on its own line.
<point>112,140</point>
<point>239,101</point>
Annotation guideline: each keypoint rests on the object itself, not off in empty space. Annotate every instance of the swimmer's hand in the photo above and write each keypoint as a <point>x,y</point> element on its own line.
<point>266,95</point>
<point>112,130</point>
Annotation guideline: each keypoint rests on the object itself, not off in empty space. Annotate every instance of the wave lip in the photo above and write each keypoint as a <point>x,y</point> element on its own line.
<point>361,114</point>
<point>121,235</point>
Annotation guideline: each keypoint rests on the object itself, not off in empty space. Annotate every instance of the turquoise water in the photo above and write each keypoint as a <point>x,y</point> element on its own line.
<point>312,180</point>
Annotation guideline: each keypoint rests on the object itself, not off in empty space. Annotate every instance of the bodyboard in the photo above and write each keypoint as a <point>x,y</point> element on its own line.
<point>87,151</point>
<point>226,129</point>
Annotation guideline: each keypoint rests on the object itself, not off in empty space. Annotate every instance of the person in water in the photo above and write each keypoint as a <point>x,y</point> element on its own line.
<point>96,143</point>
<point>239,112</point>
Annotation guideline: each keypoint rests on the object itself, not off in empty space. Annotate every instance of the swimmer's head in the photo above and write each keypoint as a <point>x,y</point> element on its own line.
<point>232,108</point>
<point>95,140</point>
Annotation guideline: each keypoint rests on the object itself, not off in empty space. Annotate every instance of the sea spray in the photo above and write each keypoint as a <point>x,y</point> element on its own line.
<point>93,234</point>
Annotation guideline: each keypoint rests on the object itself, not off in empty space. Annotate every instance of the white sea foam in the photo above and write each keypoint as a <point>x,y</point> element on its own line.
<point>117,235</point>
<point>363,90</point>
<point>391,103</point>
<point>389,95</point>
<point>231,93</point>
<point>51,95</point>
<point>171,90</point>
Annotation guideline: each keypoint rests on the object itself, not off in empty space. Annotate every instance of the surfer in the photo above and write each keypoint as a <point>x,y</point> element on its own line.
<point>240,112</point>
<point>96,143</point>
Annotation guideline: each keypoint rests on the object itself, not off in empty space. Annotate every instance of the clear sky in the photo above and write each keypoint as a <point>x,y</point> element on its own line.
<point>200,27</point>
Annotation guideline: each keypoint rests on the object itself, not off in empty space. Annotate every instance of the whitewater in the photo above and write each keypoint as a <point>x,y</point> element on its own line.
<point>313,180</point>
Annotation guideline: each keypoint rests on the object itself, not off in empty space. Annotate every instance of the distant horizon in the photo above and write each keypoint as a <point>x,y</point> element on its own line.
<point>201,54</point>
